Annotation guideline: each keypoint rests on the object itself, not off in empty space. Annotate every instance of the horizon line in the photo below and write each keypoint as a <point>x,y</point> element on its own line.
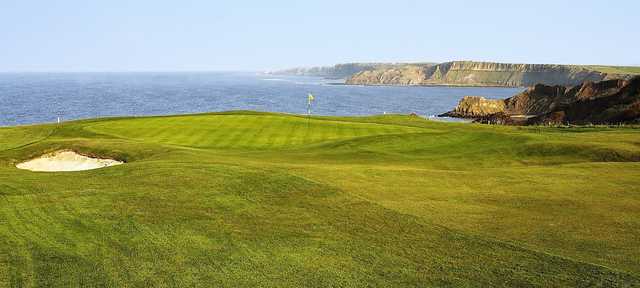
<point>289,67</point>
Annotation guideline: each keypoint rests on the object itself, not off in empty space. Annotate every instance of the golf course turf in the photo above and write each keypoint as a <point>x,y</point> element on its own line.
<point>249,199</point>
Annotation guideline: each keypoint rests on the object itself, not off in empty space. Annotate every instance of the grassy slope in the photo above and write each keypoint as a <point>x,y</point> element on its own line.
<point>268,200</point>
<point>615,69</point>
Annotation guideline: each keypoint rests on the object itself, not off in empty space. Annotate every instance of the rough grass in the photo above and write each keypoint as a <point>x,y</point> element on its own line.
<point>245,199</point>
<point>615,69</point>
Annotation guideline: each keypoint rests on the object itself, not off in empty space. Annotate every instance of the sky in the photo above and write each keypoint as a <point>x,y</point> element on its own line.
<point>156,35</point>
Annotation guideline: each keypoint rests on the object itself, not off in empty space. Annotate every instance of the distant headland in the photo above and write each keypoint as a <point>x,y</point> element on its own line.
<point>465,73</point>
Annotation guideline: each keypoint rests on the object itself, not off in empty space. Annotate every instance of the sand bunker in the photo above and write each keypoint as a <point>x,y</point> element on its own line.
<point>66,161</point>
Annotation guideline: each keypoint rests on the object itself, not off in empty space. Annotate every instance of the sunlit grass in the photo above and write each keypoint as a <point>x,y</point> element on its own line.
<point>248,199</point>
<point>615,69</point>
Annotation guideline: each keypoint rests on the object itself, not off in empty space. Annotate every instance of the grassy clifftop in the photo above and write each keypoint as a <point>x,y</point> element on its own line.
<point>244,199</point>
<point>634,70</point>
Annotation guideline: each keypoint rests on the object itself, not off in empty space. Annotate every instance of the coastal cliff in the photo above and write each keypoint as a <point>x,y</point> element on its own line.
<point>603,102</point>
<point>476,106</point>
<point>469,73</point>
<point>339,71</point>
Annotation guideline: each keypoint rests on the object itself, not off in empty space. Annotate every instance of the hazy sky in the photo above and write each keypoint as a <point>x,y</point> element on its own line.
<point>143,35</point>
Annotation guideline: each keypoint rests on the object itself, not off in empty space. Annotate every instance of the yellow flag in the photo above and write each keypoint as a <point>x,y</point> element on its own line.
<point>310,98</point>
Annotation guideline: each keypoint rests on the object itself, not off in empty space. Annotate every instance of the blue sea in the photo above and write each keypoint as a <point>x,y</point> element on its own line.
<point>28,98</point>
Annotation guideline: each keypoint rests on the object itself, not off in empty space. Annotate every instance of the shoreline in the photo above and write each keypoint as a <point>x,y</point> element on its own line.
<point>226,112</point>
<point>427,85</point>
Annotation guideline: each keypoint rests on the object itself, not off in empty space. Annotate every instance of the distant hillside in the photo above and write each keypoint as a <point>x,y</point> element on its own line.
<point>469,73</point>
<point>339,71</point>
<point>615,69</point>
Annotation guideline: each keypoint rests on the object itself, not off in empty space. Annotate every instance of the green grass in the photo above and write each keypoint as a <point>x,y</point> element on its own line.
<point>246,199</point>
<point>615,69</point>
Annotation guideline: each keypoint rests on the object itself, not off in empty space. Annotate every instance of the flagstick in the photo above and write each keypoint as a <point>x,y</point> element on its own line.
<point>309,100</point>
<point>308,114</point>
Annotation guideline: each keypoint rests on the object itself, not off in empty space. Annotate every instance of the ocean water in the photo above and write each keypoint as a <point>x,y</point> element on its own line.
<point>27,98</point>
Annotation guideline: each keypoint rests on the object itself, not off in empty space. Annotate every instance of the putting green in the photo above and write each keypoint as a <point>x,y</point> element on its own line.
<point>243,131</point>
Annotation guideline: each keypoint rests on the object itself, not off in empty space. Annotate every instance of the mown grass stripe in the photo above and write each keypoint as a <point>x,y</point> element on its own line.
<point>252,137</point>
<point>291,138</point>
<point>277,130</point>
<point>236,132</point>
<point>221,135</point>
<point>270,131</point>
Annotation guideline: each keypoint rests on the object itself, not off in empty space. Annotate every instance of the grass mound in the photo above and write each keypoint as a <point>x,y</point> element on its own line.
<point>270,200</point>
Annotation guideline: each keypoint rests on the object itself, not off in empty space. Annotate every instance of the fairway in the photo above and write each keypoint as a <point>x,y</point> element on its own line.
<point>249,199</point>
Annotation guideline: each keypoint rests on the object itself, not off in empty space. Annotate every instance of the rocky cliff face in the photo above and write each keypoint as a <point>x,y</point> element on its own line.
<point>476,106</point>
<point>467,73</point>
<point>604,102</point>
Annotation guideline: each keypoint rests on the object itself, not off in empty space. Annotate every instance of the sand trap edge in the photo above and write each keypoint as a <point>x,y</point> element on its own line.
<point>66,161</point>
